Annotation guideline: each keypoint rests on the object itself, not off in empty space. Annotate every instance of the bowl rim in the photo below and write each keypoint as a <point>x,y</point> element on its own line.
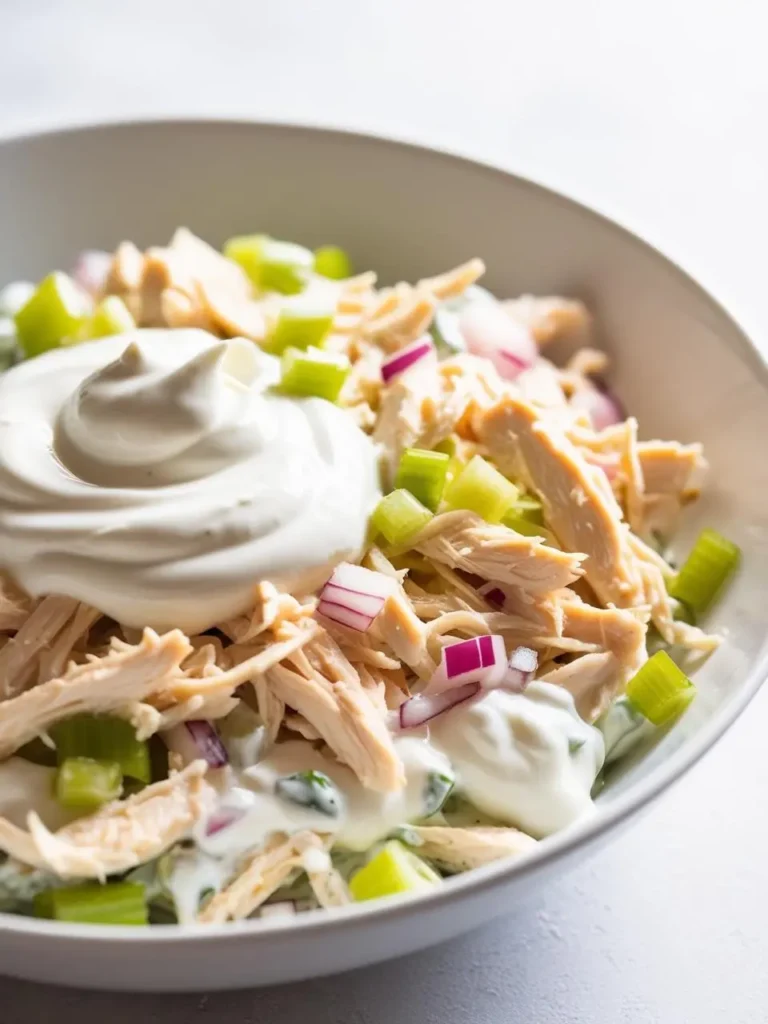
<point>584,833</point>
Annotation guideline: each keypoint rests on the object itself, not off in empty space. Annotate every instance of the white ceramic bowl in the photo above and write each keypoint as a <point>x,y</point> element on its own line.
<point>680,362</point>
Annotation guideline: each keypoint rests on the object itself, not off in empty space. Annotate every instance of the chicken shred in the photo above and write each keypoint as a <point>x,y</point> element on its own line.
<point>118,836</point>
<point>263,873</point>
<point>460,849</point>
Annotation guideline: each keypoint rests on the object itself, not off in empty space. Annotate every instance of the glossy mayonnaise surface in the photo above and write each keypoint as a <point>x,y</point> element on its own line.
<point>156,476</point>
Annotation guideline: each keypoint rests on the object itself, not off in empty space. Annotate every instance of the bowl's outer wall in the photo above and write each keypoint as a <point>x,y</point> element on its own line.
<point>679,362</point>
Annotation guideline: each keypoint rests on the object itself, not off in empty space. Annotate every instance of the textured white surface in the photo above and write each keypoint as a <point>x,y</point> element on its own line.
<point>653,112</point>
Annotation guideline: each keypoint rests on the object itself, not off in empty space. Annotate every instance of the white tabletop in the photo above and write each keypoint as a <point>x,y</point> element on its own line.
<point>654,112</point>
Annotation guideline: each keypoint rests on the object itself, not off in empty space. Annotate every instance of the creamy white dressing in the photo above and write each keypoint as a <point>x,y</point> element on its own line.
<point>526,760</point>
<point>623,728</point>
<point>26,787</point>
<point>154,476</point>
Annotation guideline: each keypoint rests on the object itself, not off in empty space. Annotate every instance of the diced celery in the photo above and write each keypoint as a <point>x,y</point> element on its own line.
<point>705,572</point>
<point>520,523</point>
<point>111,316</point>
<point>530,508</point>
<point>295,328</point>
<point>85,784</point>
<point>423,473</point>
<point>660,690</point>
<point>332,262</point>
<point>270,264</point>
<point>399,516</point>
<point>394,869</point>
<point>481,488</point>
<point>313,373</point>
<point>103,738</point>
<point>113,903</point>
<point>55,312</point>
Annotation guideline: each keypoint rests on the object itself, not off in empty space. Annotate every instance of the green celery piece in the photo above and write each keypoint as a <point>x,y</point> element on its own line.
<point>424,474</point>
<point>313,373</point>
<point>712,561</point>
<point>295,328</point>
<point>103,738</point>
<point>270,264</point>
<point>660,690</point>
<point>530,508</point>
<point>399,516</point>
<point>114,903</point>
<point>521,524</point>
<point>55,312</point>
<point>85,784</point>
<point>111,316</point>
<point>332,262</point>
<point>481,488</point>
<point>394,869</point>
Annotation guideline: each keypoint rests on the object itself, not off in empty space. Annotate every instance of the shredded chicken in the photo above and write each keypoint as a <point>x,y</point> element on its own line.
<point>463,540</point>
<point>15,606</point>
<point>460,849</point>
<point>270,609</point>
<point>593,680</point>
<point>18,658</point>
<point>552,318</point>
<point>103,685</point>
<point>344,716</point>
<point>118,836</point>
<point>263,873</point>
<point>579,506</point>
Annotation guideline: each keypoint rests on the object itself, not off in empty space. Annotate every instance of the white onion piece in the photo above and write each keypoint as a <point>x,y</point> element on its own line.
<point>91,269</point>
<point>407,357</point>
<point>422,708</point>
<point>354,596</point>
<point>195,739</point>
<point>520,670</point>
<point>603,409</point>
<point>491,332</point>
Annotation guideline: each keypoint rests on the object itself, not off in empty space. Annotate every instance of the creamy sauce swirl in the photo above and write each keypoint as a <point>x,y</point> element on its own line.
<point>156,477</point>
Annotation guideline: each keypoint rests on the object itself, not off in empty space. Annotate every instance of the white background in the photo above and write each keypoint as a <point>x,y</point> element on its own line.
<point>655,112</point>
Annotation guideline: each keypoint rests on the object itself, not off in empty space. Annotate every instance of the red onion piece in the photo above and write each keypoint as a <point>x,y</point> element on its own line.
<point>223,818</point>
<point>602,408</point>
<point>91,270</point>
<point>491,332</point>
<point>354,596</point>
<point>481,659</point>
<point>196,739</point>
<point>422,708</point>
<point>494,595</point>
<point>407,357</point>
<point>520,670</point>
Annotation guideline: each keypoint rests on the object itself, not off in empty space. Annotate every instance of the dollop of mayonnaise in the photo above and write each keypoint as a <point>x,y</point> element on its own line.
<point>156,477</point>
<point>526,759</point>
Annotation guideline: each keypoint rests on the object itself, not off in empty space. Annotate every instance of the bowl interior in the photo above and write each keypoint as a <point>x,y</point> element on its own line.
<point>679,362</point>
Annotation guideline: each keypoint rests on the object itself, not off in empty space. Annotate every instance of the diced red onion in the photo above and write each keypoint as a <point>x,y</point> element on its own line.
<point>520,669</point>
<point>603,409</point>
<point>491,332</point>
<point>481,659</point>
<point>422,708</point>
<point>354,596</point>
<point>407,357</point>
<point>283,908</point>
<point>91,270</point>
<point>494,595</point>
<point>196,739</point>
